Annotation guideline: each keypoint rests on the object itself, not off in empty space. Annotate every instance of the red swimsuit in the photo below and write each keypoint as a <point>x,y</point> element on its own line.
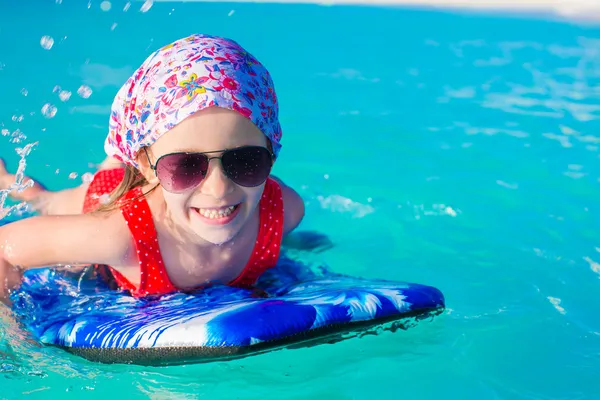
<point>154,276</point>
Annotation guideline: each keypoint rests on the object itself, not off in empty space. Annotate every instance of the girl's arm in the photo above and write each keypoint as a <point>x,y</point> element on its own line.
<point>101,238</point>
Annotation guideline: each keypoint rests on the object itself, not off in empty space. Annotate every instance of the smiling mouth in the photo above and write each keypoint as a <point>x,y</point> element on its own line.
<point>219,215</point>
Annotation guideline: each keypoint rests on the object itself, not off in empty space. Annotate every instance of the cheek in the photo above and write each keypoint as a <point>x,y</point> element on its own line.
<point>253,195</point>
<point>175,202</point>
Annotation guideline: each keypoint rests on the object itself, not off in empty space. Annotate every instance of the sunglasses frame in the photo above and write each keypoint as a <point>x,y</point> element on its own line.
<point>153,167</point>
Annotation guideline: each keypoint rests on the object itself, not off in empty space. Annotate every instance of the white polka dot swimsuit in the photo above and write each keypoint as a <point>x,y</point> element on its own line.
<point>154,279</point>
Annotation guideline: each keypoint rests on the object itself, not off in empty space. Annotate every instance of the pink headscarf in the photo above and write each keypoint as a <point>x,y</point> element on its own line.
<point>187,76</point>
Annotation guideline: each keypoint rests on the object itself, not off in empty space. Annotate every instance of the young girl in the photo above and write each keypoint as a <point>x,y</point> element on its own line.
<point>196,129</point>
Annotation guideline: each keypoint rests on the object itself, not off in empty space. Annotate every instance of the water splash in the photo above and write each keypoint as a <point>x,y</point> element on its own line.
<point>19,185</point>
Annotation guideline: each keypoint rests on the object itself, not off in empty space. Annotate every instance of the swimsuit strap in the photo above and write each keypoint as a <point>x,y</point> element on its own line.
<point>103,183</point>
<point>153,274</point>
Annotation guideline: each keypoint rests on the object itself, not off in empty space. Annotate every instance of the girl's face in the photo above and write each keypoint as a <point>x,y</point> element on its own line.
<point>216,209</point>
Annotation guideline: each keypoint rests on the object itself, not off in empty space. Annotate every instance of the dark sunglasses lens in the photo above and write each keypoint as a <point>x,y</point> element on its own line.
<point>247,166</point>
<point>179,172</point>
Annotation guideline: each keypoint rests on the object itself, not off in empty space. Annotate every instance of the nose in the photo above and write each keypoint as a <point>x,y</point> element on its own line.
<point>216,183</point>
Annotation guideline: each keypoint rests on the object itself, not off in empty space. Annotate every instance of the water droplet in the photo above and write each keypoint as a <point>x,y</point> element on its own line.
<point>105,6</point>
<point>24,92</point>
<point>112,28</point>
<point>47,42</point>
<point>450,211</point>
<point>88,177</point>
<point>146,6</point>
<point>64,95</point>
<point>84,91</point>
<point>127,6</point>
<point>56,89</point>
<point>48,110</point>
<point>5,132</point>
<point>73,175</point>
<point>58,1</point>
<point>17,136</point>
<point>150,45</point>
<point>230,13</point>
<point>89,4</point>
<point>17,118</point>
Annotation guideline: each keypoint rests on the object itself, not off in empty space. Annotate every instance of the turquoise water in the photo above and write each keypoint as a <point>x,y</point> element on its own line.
<point>456,150</point>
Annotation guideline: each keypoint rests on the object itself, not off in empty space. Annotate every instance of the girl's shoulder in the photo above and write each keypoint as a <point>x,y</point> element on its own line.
<point>293,206</point>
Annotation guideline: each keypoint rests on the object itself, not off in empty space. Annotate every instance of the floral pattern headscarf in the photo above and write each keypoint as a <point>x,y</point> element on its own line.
<point>184,77</point>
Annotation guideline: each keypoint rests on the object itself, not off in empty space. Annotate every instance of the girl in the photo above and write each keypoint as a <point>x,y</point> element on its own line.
<point>196,129</point>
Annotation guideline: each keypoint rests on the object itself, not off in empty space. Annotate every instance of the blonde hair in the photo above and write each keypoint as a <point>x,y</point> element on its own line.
<point>131,180</point>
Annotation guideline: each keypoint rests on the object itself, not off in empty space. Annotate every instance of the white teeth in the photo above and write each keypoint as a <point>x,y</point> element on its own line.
<point>216,213</point>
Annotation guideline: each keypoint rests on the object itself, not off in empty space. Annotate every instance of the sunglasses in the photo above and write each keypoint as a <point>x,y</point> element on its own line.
<point>247,166</point>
